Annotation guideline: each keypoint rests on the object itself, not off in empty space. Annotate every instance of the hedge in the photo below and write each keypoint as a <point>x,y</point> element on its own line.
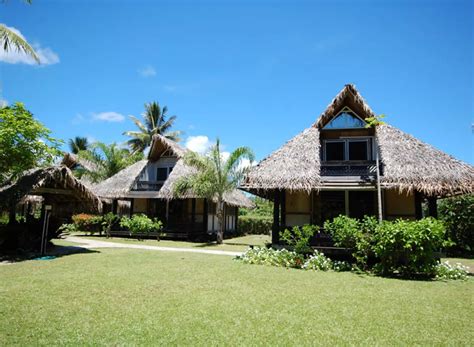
<point>254,225</point>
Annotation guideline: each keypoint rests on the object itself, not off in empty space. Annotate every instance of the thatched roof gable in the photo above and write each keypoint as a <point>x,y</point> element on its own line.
<point>295,166</point>
<point>234,198</point>
<point>349,96</point>
<point>160,144</point>
<point>56,177</point>
<point>119,185</point>
<point>410,164</point>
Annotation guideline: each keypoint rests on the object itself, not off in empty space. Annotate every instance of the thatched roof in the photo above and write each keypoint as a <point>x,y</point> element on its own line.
<point>295,166</point>
<point>234,198</point>
<point>59,178</point>
<point>71,160</point>
<point>119,185</point>
<point>408,163</point>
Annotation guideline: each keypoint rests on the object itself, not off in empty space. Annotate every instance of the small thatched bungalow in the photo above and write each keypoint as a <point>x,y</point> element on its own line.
<point>147,186</point>
<point>334,167</point>
<point>55,187</point>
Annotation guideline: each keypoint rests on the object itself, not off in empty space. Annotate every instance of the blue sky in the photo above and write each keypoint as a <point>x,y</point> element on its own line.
<point>253,73</point>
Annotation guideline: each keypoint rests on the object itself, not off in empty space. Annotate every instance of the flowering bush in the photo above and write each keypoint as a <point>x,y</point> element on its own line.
<point>298,238</point>
<point>340,266</point>
<point>87,222</point>
<point>140,224</point>
<point>318,261</point>
<point>270,256</point>
<point>446,271</point>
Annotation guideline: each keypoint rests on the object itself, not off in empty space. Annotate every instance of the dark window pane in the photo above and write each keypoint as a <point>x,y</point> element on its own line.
<point>362,204</point>
<point>345,120</point>
<point>171,168</point>
<point>358,150</point>
<point>334,150</point>
<point>162,174</point>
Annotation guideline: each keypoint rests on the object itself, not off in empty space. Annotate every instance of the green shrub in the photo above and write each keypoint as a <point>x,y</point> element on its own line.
<point>354,234</point>
<point>270,256</point>
<point>446,271</point>
<point>299,237</point>
<point>318,261</point>
<point>67,228</point>
<point>408,247</point>
<point>88,222</point>
<point>254,225</point>
<point>140,224</point>
<point>340,266</point>
<point>108,221</point>
<point>457,213</point>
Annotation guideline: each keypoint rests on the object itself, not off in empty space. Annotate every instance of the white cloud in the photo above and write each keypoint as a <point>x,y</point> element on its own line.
<point>3,103</point>
<point>147,71</point>
<point>45,54</point>
<point>199,144</point>
<point>108,117</point>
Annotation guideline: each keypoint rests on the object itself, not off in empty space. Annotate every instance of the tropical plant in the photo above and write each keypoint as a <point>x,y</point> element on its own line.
<point>318,262</point>
<point>25,143</point>
<point>106,160</point>
<point>78,144</point>
<point>254,225</point>
<point>272,257</point>
<point>156,121</point>
<point>214,177</point>
<point>10,39</point>
<point>298,238</point>
<point>140,225</point>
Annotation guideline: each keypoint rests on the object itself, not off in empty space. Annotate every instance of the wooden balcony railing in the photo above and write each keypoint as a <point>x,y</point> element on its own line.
<point>148,185</point>
<point>347,168</point>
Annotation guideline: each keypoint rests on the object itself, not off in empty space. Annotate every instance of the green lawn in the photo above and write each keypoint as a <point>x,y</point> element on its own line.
<point>130,297</point>
<point>234,244</point>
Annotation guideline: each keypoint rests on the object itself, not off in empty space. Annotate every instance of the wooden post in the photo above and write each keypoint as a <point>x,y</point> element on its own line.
<point>432,207</point>
<point>379,189</point>
<point>418,209</point>
<point>276,218</point>
<point>205,215</point>
<point>193,214</point>
<point>114,206</point>
<point>283,209</point>
<point>236,225</point>
<point>132,201</point>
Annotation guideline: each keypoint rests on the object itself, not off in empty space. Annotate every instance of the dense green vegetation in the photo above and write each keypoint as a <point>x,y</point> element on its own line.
<point>158,298</point>
<point>258,220</point>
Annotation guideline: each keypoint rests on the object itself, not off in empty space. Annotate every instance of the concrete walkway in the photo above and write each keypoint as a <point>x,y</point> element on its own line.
<point>93,244</point>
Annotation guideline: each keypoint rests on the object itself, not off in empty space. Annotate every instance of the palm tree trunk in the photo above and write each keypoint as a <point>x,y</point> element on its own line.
<point>220,218</point>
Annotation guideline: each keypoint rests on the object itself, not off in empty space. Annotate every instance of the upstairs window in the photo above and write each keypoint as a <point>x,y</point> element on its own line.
<point>347,149</point>
<point>346,119</point>
<point>162,173</point>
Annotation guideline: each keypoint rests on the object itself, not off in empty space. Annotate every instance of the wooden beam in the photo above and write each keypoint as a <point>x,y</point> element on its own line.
<point>283,209</point>
<point>276,218</point>
<point>44,190</point>
<point>418,208</point>
<point>432,207</point>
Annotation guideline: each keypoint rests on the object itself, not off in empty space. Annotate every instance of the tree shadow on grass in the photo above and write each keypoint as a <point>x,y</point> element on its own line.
<point>52,253</point>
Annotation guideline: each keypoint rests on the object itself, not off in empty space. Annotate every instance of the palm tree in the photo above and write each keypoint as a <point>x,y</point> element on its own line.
<point>214,177</point>
<point>105,161</point>
<point>155,122</point>
<point>11,39</point>
<point>78,144</point>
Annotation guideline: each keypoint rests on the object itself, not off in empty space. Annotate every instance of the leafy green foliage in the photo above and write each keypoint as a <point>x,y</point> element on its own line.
<point>108,221</point>
<point>253,225</point>
<point>78,144</point>
<point>155,122</point>
<point>140,224</point>
<point>298,238</point>
<point>87,222</point>
<point>25,143</point>
<point>67,228</point>
<point>263,208</point>
<point>399,247</point>
<point>214,177</point>
<point>457,213</point>
<point>372,122</point>
<point>273,257</point>
<point>106,161</point>
<point>11,39</point>
<point>446,271</point>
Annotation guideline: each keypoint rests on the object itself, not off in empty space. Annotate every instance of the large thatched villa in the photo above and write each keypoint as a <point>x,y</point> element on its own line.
<point>147,187</point>
<point>339,166</point>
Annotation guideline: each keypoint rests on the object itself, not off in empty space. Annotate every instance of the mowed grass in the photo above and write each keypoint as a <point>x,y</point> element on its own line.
<point>130,297</point>
<point>235,244</point>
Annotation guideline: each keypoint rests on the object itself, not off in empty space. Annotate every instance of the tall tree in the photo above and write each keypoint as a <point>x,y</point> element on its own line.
<point>214,177</point>
<point>105,161</point>
<point>25,143</point>
<point>78,144</point>
<point>156,121</point>
<point>10,39</point>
